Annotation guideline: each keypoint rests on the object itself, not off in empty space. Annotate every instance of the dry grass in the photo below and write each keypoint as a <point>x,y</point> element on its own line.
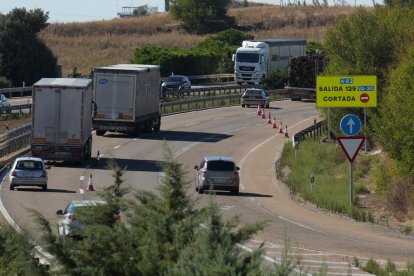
<point>98,43</point>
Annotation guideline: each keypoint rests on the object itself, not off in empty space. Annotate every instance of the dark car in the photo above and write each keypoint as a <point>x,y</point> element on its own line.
<point>175,83</point>
<point>217,173</point>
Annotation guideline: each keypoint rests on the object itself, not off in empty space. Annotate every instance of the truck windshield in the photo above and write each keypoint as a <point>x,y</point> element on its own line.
<point>247,57</point>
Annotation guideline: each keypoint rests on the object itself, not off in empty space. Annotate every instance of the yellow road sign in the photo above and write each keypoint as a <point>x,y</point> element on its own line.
<point>346,91</point>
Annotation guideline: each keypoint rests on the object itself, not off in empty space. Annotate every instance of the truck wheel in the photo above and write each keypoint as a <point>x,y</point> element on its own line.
<point>100,132</point>
<point>158,125</point>
<point>88,150</point>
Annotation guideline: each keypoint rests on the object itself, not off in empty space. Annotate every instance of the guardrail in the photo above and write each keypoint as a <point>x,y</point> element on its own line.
<point>301,93</point>
<point>315,131</point>
<point>212,78</point>
<point>223,97</point>
<point>27,90</point>
<point>205,91</point>
<point>16,91</point>
<point>15,139</point>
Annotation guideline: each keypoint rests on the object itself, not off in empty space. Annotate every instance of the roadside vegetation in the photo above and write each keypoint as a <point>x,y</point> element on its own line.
<point>115,41</point>
<point>330,169</point>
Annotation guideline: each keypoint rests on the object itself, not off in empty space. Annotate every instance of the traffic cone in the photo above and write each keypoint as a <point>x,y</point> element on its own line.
<point>286,132</point>
<point>274,123</point>
<point>263,114</point>
<point>90,184</point>
<point>280,127</point>
<point>269,121</point>
<point>259,111</point>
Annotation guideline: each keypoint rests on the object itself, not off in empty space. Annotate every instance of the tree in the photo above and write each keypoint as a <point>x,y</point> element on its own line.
<point>17,254</point>
<point>393,130</point>
<point>25,58</point>
<point>363,43</point>
<point>202,16</point>
<point>162,233</point>
<point>141,11</point>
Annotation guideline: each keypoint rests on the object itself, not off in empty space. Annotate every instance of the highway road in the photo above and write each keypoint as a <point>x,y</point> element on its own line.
<point>315,236</point>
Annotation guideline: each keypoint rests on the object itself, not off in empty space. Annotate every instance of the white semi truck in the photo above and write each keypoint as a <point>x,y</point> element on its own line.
<point>127,98</point>
<point>255,59</point>
<point>62,119</point>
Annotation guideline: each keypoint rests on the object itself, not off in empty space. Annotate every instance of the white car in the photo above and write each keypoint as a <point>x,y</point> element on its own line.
<point>69,224</point>
<point>28,171</point>
<point>4,104</point>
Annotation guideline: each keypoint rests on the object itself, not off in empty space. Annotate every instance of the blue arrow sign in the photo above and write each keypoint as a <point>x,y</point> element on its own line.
<point>350,125</point>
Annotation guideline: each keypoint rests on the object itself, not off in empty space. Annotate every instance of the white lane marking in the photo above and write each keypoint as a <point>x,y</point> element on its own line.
<point>117,147</point>
<point>227,207</point>
<point>219,118</point>
<point>187,125</point>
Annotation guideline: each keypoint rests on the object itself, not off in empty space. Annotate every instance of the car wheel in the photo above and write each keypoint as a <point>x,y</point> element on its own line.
<point>11,187</point>
<point>100,132</point>
<point>200,191</point>
<point>267,106</point>
<point>235,191</point>
<point>243,105</point>
<point>44,188</point>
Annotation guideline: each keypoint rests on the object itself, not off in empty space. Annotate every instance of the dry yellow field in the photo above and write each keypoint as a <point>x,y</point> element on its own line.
<point>97,43</point>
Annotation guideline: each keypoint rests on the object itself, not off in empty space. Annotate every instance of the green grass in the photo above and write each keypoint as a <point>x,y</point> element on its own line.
<point>331,177</point>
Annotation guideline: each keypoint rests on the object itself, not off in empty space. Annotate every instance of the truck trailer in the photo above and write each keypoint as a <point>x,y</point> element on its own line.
<point>127,98</point>
<point>62,119</point>
<point>256,58</point>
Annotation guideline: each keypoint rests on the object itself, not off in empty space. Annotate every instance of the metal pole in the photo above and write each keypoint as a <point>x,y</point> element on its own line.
<point>351,185</point>
<point>365,129</point>
<point>329,123</point>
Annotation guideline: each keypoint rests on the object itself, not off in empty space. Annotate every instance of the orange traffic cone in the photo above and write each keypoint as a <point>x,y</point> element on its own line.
<point>259,111</point>
<point>269,121</point>
<point>286,132</point>
<point>90,184</point>
<point>274,123</point>
<point>263,114</point>
<point>280,127</point>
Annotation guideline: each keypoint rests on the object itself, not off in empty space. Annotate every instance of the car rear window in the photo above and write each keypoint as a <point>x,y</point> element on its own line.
<point>29,165</point>
<point>220,165</point>
<point>253,92</point>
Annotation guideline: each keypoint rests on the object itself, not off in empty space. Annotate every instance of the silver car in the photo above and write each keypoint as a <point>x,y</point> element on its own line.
<point>4,104</point>
<point>255,96</point>
<point>28,171</point>
<point>217,173</point>
<point>69,224</point>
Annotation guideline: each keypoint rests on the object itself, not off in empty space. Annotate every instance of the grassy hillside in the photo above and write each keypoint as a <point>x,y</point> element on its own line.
<point>98,43</point>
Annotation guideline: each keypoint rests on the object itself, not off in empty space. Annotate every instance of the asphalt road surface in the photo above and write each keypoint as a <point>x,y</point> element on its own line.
<point>313,236</point>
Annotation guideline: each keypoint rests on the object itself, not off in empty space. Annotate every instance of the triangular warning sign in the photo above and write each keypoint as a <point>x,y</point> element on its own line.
<point>351,146</point>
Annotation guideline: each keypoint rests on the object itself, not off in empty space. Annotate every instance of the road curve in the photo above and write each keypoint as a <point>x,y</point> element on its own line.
<point>319,237</point>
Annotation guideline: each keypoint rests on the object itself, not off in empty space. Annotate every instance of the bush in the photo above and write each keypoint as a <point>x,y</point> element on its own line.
<point>276,79</point>
<point>4,82</point>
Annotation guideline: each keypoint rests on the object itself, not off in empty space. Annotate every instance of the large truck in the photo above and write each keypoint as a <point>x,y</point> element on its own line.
<point>128,98</point>
<point>62,119</point>
<point>256,58</point>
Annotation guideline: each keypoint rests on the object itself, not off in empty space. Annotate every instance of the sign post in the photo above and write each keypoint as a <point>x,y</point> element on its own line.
<point>351,147</point>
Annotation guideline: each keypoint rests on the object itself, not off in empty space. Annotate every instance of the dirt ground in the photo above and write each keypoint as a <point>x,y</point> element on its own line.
<point>13,123</point>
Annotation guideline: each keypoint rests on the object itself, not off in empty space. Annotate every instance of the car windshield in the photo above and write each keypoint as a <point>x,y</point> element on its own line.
<point>220,165</point>
<point>175,79</point>
<point>247,57</point>
<point>29,165</point>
